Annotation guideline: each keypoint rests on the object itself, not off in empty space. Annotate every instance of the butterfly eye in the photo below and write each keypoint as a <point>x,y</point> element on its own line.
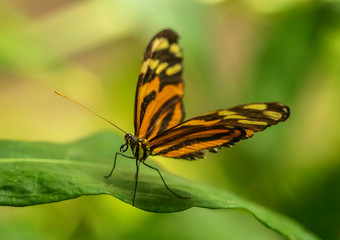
<point>124,147</point>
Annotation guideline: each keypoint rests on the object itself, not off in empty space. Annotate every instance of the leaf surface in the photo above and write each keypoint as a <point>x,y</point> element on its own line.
<point>40,172</point>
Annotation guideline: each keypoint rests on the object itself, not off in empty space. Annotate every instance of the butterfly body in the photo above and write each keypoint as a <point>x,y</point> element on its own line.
<point>139,147</point>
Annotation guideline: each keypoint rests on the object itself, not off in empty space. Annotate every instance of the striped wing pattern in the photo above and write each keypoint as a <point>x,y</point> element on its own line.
<point>221,128</point>
<point>158,101</point>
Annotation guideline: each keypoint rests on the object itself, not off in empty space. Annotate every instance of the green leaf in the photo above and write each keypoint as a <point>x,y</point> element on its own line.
<point>39,172</point>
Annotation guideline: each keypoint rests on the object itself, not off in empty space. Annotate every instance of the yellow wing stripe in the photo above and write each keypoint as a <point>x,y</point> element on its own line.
<point>175,49</point>
<point>161,67</point>
<point>273,115</point>
<point>144,67</point>
<point>250,122</point>
<point>256,106</point>
<point>235,117</point>
<point>173,69</point>
<point>153,63</point>
<point>225,112</point>
<point>159,44</point>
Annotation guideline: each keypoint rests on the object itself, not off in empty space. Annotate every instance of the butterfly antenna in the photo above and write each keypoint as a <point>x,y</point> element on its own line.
<point>89,110</point>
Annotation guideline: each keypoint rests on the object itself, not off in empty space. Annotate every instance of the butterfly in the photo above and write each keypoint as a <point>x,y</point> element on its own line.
<point>159,114</point>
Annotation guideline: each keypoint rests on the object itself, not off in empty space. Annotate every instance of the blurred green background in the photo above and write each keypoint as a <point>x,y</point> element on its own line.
<point>235,52</point>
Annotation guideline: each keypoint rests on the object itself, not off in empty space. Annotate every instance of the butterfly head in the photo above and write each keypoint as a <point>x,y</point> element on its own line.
<point>128,138</point>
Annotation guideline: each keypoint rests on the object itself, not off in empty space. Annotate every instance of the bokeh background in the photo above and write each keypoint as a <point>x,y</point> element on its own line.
<point>235,52</point>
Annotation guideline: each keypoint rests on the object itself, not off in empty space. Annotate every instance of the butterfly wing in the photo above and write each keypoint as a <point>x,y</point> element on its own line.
<point>222,128</point>
<point>159,93</point>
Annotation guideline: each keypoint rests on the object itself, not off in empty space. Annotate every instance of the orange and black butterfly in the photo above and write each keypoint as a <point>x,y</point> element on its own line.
<point>159,113</point>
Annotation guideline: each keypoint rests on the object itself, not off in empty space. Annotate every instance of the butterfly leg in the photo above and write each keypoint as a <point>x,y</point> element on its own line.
<point>136,182</point>
<point>165,183</point>
<point>114,163</point>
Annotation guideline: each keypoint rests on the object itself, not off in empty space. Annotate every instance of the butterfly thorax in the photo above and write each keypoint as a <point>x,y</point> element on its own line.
<point>139,146</point>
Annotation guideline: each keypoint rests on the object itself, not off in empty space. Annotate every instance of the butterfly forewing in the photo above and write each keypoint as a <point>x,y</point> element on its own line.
<point>221,128</point>
<point>158,102</point>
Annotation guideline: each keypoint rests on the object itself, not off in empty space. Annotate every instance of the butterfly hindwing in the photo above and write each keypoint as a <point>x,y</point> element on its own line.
<point>159,93</point>
<point>221,128</point>
<point>190,143</point>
